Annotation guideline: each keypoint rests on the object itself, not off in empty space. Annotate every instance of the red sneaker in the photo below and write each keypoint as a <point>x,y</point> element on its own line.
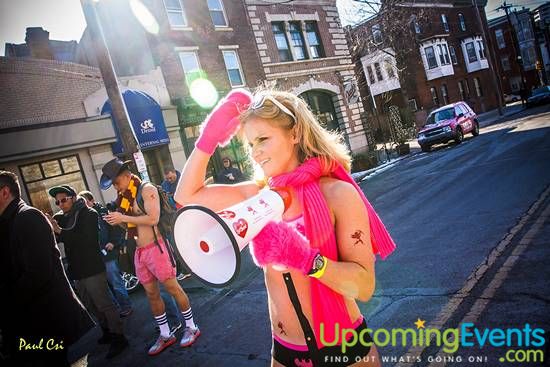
<point>161,344</point>
<point>189,336</point>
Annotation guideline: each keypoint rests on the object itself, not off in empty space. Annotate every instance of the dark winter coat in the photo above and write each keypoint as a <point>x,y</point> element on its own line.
<point>37,299</point>
<point>80,237</point>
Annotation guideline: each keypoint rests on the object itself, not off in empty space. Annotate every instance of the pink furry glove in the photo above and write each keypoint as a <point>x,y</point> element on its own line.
<point>280,244</point>
<point>223,122</point>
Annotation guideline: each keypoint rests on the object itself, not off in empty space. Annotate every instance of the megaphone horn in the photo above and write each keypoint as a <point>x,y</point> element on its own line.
<point>210,242</point>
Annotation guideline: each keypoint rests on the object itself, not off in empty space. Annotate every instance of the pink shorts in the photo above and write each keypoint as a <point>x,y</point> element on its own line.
<point>151,264</point>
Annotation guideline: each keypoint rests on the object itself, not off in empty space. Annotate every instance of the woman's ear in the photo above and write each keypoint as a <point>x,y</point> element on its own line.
<point>296,134</point>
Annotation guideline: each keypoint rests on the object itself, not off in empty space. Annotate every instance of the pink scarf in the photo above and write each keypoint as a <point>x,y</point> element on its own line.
<point>328,306</point>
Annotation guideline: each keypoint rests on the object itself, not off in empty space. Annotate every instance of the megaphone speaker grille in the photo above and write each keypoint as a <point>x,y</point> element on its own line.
<point>196,230</point>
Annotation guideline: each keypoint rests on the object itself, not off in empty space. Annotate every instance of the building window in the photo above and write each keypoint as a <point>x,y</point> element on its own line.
<point>467,88</point>
<point>297,40</point>
<point>39,177</point>
<point>444,23</point>
<point>528,56</point>
<point>376,34</point>
<point>389,68</point>
<point>481,50</point>
<point>461,90</point>
<point>435,99</point>
<point>417,28</point>
<point>471,51</point>
<point>445,94</point>
<point>412,105</point>
<point>500,38</point>
<point>315,47</point>
<point>190,63</point>
<point>477,86</point>
<point>217,13</point>
<point>453,55</point>
<point>443,54</point>
<point>233,67</point>
<point>281,41</point>
<point>461,22</point>
<point>175,12</point>
<point>505,62</point>
<point>430,57</point>
<point>378,71</point>
<point>370,74</point>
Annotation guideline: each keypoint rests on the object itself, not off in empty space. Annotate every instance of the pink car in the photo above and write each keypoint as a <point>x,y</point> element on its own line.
<point>447,123</point>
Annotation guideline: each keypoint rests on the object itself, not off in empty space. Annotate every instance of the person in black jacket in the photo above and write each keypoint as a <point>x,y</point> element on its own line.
<point>77,227</point>
<point>229,175</point>
<point>111,239</point>
<point>38,305</point>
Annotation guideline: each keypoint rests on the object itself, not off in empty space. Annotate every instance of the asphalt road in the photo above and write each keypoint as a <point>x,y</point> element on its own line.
<point>449,211</point>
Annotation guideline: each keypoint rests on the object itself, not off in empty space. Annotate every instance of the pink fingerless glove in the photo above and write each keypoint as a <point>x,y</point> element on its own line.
<point>223,122</point>
<point>280,244</point>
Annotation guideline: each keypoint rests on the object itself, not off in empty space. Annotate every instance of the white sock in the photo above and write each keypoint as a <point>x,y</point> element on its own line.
<point>162,321</point>
<point>188,316</point>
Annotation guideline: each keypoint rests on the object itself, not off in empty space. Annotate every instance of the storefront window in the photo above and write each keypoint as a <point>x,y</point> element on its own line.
<point>39,177</point>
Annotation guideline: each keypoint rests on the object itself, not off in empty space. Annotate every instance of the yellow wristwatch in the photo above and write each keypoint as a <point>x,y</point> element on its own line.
<point>319,266</point>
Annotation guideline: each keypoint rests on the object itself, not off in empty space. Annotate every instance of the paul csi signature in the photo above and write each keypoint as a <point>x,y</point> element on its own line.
<point>48,344</point>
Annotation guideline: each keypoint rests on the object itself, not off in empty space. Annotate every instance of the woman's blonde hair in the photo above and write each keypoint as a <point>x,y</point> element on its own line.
<point>314,140</point>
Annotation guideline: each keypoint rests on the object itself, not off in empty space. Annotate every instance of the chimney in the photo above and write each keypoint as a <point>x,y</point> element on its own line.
<point>38,41</point>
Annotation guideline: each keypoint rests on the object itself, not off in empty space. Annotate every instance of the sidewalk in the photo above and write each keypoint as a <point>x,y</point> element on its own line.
<point>489,118</point>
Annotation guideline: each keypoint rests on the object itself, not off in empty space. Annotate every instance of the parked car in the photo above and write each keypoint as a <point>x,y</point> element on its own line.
<point>447,123</point>
<point>509,98</point>
<point>539,96</point>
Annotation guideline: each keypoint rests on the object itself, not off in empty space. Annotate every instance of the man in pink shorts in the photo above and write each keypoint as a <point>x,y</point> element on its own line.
<point>153,257</point>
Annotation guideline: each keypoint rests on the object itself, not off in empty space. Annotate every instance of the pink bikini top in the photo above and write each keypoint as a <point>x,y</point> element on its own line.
<point>297,223</point>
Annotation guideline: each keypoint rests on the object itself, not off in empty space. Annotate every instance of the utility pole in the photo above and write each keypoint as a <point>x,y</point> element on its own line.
<point>119,112</point>
<point>489,58</point>
<point>515,43</point>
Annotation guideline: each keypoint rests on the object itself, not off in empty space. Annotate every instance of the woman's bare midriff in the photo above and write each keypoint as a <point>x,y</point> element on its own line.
<point>284,322</point>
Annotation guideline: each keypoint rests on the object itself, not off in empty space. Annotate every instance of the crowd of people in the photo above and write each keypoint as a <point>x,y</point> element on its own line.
<point>91,287</point>
<point>318,261</point>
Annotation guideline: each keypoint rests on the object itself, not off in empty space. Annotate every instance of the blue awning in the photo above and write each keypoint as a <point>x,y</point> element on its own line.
<point>146,118</point>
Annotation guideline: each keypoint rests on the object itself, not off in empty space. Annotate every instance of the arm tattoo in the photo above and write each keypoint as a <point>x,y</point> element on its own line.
<point>281,326</point>
<point>357,237</point>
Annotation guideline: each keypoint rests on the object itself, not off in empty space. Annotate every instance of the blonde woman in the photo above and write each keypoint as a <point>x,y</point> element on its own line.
<point>320,259</point>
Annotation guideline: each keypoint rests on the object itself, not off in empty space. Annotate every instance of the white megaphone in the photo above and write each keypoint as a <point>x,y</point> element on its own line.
<point>210,243</point>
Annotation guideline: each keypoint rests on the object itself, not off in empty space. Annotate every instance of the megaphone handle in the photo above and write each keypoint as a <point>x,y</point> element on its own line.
<point>285,194</point>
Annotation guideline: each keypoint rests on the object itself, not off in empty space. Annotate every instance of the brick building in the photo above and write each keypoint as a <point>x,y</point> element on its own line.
<point>303,49</point>
<point>422,56</point>
<point>299,47</point>
<point>39,46</point>
<point>515,47</point>
<point>52,131</point>
<point>211,40</point>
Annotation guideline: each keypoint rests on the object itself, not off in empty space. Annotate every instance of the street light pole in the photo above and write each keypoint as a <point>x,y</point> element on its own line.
<point>490,58</point>
<point>119,112</point>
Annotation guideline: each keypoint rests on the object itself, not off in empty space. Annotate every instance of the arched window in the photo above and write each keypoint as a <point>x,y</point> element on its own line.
<point>461,22</point>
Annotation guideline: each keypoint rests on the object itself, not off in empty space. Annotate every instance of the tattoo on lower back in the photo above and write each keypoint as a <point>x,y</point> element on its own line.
<point>281,328</point>
<point>358,237</point>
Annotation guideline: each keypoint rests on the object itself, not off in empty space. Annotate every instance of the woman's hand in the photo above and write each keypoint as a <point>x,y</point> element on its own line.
<point>223,122</point>
<point>280,244</point>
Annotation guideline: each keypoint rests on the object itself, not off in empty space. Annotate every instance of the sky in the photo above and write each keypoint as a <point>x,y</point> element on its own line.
<point>65,21</point>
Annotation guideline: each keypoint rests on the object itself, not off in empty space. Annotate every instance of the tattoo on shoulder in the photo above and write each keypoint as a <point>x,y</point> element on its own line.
<point>281,328</point>
<point>358,237</point>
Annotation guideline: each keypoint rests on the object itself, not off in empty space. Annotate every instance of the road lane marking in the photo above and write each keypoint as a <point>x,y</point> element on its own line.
<point>500,276</point>
<point>448,310</point>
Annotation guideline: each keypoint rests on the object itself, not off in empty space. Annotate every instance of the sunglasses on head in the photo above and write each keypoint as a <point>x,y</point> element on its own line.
<point>260,99</point>
<point>63,200</point>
